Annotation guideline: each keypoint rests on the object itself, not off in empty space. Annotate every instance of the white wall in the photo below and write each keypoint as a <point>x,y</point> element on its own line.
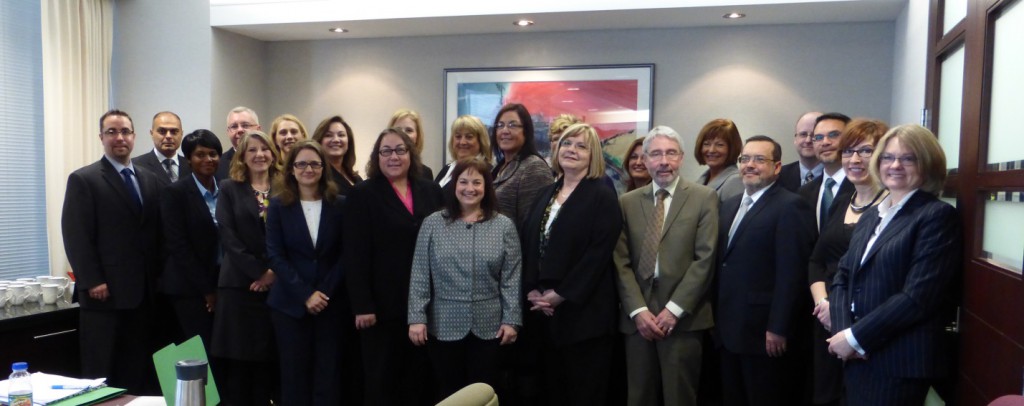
<point>762,77</point>
<point>161,61</point>
<point>910,63</point>
<point>239,77</point>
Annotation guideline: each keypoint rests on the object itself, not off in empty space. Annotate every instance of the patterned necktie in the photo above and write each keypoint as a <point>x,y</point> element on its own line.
<point>807,178</point>
<point>826,202</point>
<point>127,175</point>
<point>744,206</point>
<point>169,168</point>
<point>649,250</point>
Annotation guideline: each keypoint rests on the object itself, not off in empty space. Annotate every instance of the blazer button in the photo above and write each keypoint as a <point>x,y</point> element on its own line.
<point>857,290</point>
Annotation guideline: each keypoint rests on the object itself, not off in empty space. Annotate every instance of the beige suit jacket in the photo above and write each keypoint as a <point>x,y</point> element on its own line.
<point>686,255</point>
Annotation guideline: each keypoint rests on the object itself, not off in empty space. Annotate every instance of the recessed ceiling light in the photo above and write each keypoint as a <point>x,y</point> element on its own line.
<point>523,23</point>
<point>573,89</point>
<point>734,16</point>
<point>338,30</point>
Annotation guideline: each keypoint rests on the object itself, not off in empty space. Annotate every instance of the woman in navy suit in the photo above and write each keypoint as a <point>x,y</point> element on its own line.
<point>568,239</point>
<point>384,214</point>
<point>893,286</point>
<point>304,246</point>
<point>242,336</point>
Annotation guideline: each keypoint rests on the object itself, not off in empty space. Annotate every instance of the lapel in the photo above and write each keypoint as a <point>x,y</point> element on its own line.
<point>896,225</point>
<point>116,182</point>
<point>297,220</point>
<point>196,199</point>
<point>679,197</point>
<point>504,175</point>
<point>727,213</point>
<point>756,208</point>
<point>846,187</point>
<point>390,198</point>
<point>647,203</point>
<point>719,180</point>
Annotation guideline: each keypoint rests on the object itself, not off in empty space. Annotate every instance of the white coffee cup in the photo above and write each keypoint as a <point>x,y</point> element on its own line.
<point>4,296</point>
<point>63,281</point>
<point>52,292</point>
<point>16,293</point>
<point>33,291</point>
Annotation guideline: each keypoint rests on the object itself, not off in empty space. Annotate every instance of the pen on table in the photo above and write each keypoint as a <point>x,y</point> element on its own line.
<point>69,387</point>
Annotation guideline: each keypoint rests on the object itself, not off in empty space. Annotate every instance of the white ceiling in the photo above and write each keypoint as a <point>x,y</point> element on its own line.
<point>285,20</point>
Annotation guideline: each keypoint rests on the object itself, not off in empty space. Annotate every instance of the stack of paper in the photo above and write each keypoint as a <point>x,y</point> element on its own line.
<point>50,389</point>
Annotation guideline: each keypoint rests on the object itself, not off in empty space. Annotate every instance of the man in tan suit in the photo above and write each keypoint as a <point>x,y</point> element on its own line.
<point>665,257</point>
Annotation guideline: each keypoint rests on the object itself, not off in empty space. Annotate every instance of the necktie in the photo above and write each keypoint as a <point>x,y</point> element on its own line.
<point>169,168</point>
<point>127,175</point>
<point>807,178</point>
<point>744,206</point>
<point>826,202</point>
<point>649,250</point>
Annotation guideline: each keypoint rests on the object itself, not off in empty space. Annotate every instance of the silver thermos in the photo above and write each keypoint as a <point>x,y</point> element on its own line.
<point>191,389</point>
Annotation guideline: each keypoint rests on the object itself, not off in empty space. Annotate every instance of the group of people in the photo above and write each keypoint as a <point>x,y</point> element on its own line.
<point>807,283</point>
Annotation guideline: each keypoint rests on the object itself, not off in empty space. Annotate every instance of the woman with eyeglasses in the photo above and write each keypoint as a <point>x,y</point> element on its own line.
<point>856,145</point>
<point>383,217</point>
<point>339,145</point>
<point>410,123</point>
<point>304,243</point>
<point>568,275</point>
<point>718,146</point>
<point>242,334</point>
<point>520,172</point>
<point>893,293</point>
<point>286,130</point>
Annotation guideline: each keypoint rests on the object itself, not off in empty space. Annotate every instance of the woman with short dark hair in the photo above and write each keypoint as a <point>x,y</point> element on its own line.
<point>718,146</point>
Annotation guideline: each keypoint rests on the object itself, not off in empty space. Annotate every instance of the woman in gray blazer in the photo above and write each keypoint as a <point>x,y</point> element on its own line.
<point>520,172</point>
<point>464,287</point>
<point>718,146</point>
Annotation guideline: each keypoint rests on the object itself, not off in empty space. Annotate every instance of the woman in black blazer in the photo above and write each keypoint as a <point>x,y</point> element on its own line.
<point>335,136</point>
<point>568,275</point>
<point>892,295</point>
<point>304,248</point>
<point>190,238</point>
<point>383,217</point>
<point>242,336</point>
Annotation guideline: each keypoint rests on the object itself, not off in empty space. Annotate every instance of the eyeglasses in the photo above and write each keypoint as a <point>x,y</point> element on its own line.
<point>803,134</point>
<point>577,145</point>
<point>758,159</point>
<point>671,155</point>
<point>244,126</point>
<point>906,160</point>
<point>164,131</point>
<point>302,165</point>
<point>512,125</point>
<point>865,152</point>
<point>401,151</point>
<point>831,135</point>
<point>113,132</point>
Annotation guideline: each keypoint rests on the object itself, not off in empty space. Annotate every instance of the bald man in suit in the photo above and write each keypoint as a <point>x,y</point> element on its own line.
<point>664,259</point>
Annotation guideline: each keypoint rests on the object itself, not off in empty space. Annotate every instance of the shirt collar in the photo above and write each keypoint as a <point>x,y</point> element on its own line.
<point>118,166</point>
<point>817,170</point>
<point>670,188</point>
<point>757,194</point>
<point>160,157</point>
<point>887,207</point>
<point>206,192</point>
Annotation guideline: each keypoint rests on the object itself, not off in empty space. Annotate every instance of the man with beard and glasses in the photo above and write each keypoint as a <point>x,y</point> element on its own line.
<point>824,191</point>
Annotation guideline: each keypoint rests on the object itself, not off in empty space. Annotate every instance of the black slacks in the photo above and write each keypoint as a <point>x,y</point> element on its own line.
<point>116,344</point>
<point>308,354</point>
<point>866,386</point>
<point>462,362</point>
<point>396,371</point>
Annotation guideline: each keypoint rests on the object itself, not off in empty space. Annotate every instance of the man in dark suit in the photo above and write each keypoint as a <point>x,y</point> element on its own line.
<point>765,239</point>
<point>824,191</point>
<point>664,275</point>
<point>110,225</point>
<point>806,167</point>
<point>165,161</point>
<point>240,120</point>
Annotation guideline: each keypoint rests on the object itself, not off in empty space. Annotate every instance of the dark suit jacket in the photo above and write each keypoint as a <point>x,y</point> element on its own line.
<point>301,267</point>
<point>190,241</point>
<point>108,238</point>
<point>578,260</point>
<point>809,193</point>
<point>242,236</point>
<point>686,255</point>
<point>789,177</point>
<point>149,161</point>
<point>225,164</point>
<point>380,239</point>
<point>902,287</point>
<point>762,275</point>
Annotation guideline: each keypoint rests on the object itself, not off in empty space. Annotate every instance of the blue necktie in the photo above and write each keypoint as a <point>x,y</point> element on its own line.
<point>826,202</point>
<point>127,175</point>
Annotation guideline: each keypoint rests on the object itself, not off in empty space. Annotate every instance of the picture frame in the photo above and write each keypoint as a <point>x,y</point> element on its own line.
<point>617,100</point>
